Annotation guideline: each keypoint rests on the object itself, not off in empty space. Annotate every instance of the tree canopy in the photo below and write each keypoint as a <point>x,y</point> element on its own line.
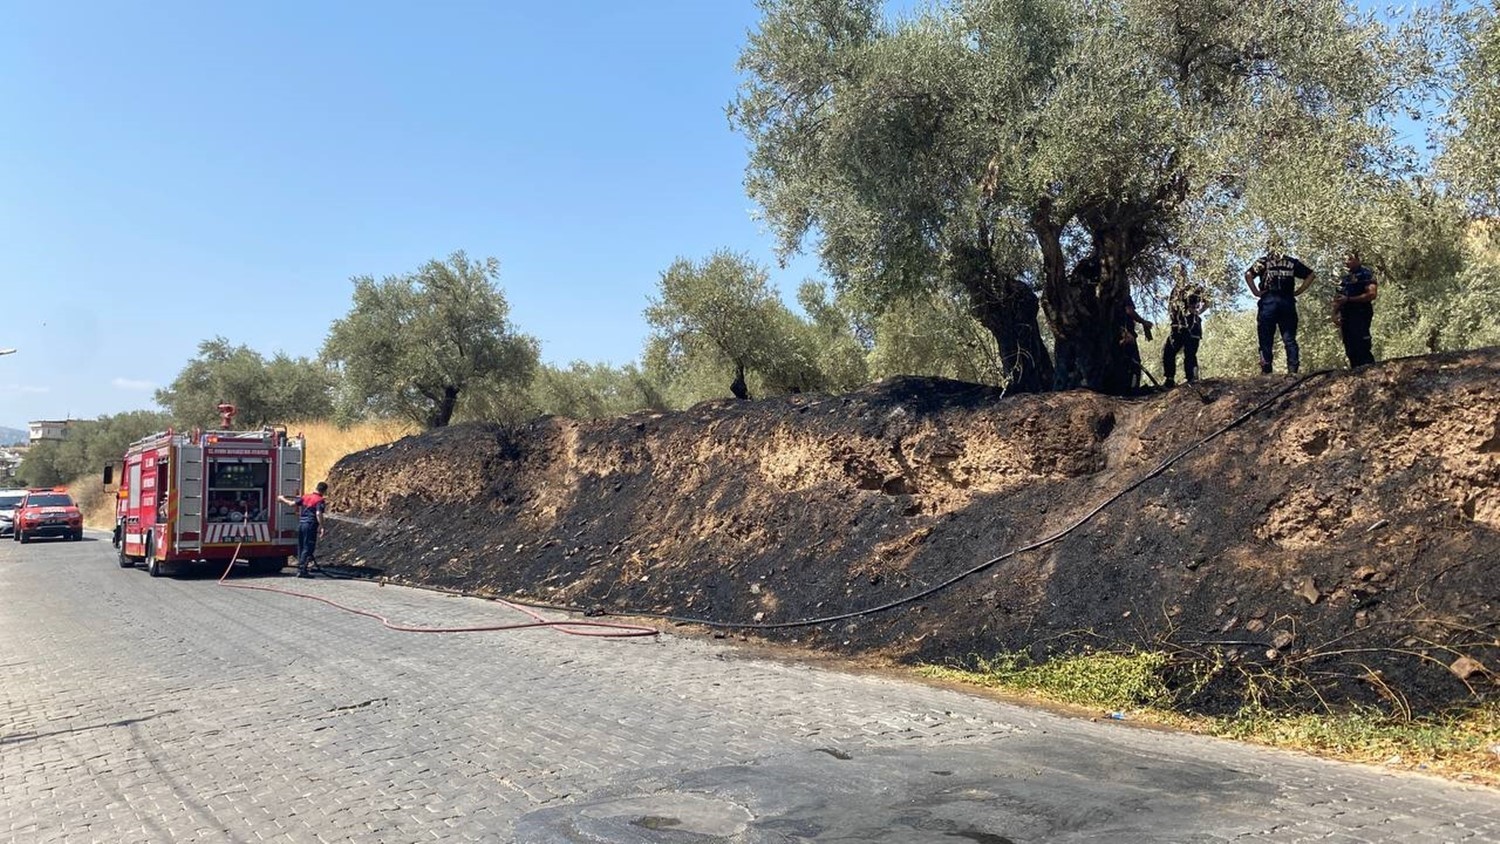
<point>91,445</point>
<point>416,346</point>
<point>717,325</point>
<point>1470,163</point>
<point>1056,152</point>
<point>263,391</point>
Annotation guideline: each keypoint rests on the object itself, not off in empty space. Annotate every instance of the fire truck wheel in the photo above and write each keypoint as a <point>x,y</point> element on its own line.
<point>125,561</point>
<point>153,565</point>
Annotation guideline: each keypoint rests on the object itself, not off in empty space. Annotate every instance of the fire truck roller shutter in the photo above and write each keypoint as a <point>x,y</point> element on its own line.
<point>189,494</point>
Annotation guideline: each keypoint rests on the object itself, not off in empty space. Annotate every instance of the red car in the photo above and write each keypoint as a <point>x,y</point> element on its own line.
<point>48,512</point>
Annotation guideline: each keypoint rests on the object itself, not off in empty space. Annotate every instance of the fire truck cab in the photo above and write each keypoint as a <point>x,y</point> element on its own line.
<point>208,496</point>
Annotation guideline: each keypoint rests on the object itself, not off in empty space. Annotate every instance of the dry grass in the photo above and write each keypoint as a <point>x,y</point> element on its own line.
<point>96,502</point>
<point>326,444</point>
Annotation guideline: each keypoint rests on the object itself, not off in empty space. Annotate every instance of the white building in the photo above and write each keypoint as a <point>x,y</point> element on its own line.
<point>49,430</point>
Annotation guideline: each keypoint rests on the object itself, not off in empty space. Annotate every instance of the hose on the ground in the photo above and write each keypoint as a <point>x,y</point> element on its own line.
<point>596,629</point>
<point>1040,543</point>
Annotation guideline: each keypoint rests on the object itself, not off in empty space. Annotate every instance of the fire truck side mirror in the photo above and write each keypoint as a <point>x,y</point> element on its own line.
<point>109,475</point>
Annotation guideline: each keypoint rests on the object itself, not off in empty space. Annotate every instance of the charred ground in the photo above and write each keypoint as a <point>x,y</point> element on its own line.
<point>1342,544</point>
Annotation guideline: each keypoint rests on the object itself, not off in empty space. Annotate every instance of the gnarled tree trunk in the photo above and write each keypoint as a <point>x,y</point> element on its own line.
<point>1085,306</point>
<point>1008,309</point>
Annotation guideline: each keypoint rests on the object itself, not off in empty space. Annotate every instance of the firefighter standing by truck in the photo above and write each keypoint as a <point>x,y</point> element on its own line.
<point>310,509</point>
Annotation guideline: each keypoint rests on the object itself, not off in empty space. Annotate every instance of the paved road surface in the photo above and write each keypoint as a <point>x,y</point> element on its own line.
<point>135,709</point>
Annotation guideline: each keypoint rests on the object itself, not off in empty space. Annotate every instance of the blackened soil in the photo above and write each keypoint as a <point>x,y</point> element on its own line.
<point>1341,545</point>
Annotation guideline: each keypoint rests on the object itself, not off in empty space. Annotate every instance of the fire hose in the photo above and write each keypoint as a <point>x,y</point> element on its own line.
<point>586,628</point>
<point>1032,546</point>
<point>596,629</point>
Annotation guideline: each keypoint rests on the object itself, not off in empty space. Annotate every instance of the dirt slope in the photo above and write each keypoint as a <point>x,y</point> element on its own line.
<point>1345,538</point>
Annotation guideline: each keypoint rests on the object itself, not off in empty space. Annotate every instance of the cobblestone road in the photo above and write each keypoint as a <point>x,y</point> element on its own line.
<point>135,709</point>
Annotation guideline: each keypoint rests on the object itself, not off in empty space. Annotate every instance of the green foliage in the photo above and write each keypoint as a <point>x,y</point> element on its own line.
<point>717,319</point>
<point>39,466</point>
<point>89,447</point>
<point>1470,163</point>
<point>1230,348</point>
<point>431,346</point>
<point>721,310</point>
<point>1459,741</point>
<point>933,335</point>
<point>836,345</point>
<point>1452,742</point>
<point>1068,147</point>
<point>1439,291</point>
<point>1109,679</point>
<point>1468,314</point>
<point>263,391</point>
<point>593,391</point>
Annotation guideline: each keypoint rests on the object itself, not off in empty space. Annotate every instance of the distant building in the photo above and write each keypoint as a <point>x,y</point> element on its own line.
<point>49,430</point>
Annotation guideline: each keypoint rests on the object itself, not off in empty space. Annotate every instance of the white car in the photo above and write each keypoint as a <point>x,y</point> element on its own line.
<point>9,498</point>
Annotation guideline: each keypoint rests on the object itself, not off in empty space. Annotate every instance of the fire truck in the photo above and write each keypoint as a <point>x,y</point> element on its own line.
<point>201,496</point>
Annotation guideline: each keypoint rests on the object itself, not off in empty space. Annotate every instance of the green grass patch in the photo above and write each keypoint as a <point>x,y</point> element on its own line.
<point>1463,745</point>
<point>1113,680</point>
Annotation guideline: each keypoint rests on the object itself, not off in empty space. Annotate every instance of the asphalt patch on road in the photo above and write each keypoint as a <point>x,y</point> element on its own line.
<point>988,795</point>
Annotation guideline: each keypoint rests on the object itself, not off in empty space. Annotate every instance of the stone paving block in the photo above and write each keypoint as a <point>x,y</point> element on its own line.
<point>141,709</point>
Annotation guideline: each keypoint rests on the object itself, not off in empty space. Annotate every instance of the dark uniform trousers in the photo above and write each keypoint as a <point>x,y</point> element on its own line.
<point>1183,340</point>
<point>1354,328</point>
<point>1277,313</point>
<point>307,544</point>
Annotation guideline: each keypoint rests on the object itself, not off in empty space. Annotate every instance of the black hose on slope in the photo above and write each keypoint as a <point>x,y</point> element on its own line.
<point>1040,543</point>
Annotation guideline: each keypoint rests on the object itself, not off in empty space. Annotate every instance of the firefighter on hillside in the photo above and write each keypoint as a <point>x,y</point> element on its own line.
<point>1353,310</point>
<point>1279,274</point>
<point>1185,307</point>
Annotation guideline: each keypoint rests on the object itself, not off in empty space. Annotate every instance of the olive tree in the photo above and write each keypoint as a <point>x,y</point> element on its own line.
<point>1049,155</point>
<point>594,390</point>
<point>720,319</point>
<point>833,332</point>
<point>934,335</point>
<point>1470,163</point>
<point>263,391</point>
<point>90,445</point>
<point>417,346</point>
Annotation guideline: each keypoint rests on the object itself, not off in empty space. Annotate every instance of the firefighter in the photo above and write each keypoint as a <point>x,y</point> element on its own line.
<point>1185,307</point>
<point>1129,318</point>
<point>310,509</point>
<point>1279,274</point>
<point>1353,310</point>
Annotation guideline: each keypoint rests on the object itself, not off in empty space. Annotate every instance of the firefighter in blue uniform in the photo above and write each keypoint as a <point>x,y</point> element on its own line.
<point>310,509</point>
<point>1278,289</point>
<point>1354,309</point>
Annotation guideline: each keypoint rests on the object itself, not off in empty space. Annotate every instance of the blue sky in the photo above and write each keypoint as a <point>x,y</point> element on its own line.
<point>175,171</point>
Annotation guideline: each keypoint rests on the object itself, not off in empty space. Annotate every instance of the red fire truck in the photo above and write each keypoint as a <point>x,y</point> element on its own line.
<point>196,497</point>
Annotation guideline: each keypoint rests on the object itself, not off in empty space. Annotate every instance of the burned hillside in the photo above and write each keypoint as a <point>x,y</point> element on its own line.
<point>1344,536</point>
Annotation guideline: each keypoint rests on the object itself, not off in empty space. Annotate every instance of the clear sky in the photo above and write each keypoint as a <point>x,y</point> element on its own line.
<point>172,171</point>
